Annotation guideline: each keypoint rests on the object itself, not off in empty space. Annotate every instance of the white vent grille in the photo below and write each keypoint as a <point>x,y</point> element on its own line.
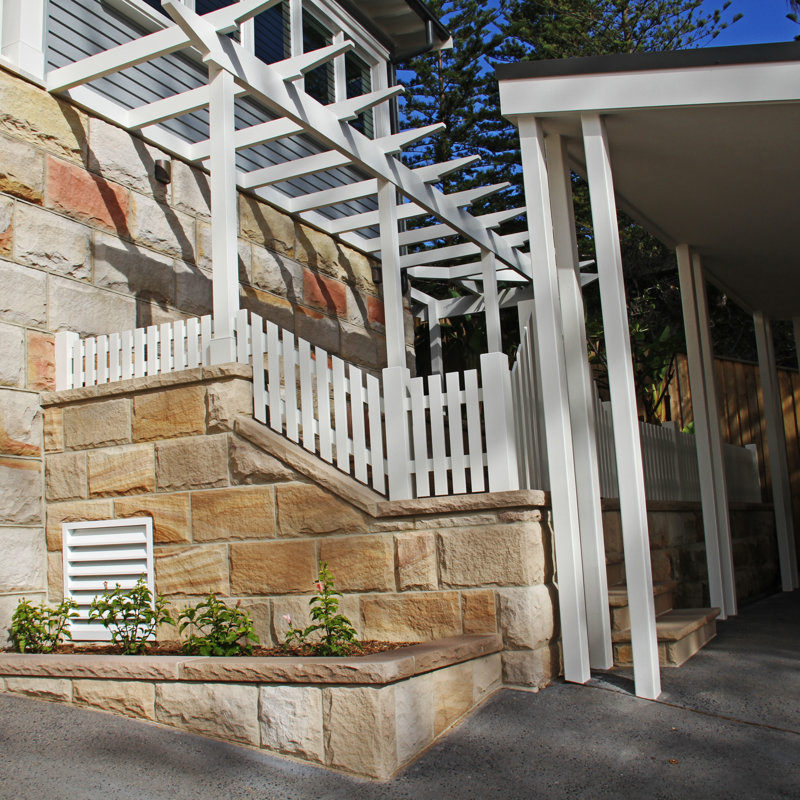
<point>100,554</point>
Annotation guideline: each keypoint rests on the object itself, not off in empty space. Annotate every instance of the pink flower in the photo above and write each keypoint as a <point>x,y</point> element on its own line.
<point>287,618</point>
<point>319,586</point>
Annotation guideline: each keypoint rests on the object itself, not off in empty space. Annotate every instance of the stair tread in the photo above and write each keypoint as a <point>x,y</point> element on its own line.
<point>671,626</point>
<point>618,594</point>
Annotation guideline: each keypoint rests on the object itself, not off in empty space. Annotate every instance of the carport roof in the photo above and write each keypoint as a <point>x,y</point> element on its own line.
<point>704,150</point>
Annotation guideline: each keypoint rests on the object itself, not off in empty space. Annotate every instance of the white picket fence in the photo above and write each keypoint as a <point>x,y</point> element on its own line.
<point>454,437</point>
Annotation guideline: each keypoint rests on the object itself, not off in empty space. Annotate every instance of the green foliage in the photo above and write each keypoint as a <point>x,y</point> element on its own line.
<point>131,615</point>
<point>218,629</point>
<point>41,629</point>
<point>335,633</point>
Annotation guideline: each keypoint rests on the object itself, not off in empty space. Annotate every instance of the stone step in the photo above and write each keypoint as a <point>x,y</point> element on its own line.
<point>663,597</point>
<point>681,633</point>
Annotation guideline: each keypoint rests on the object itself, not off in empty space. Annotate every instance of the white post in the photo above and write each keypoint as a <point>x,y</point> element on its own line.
<point>555,399</point>
<point>390,266</point>
<point>581,407</point>
<point>717,451</point>
<point>435,339</point>
<point>633,508</point>
<point>491,304</point>
<point>65,341</point>
<point>23,34</point>
<point>778,464</point>
<point>498,415</point>
<point>398,452</point>
<point>224,215</point>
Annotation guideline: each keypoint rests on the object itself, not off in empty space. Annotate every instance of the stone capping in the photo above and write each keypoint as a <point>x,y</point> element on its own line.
<point>146,383</point>
<point>370,670</point>
<point>612,504</point>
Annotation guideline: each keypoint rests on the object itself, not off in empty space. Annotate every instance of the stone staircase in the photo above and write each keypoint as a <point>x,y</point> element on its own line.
<point>681,632</point>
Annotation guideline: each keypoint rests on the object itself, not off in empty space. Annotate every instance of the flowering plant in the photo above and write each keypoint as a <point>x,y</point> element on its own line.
<point>218,630</point>
<point>40,630</point>
<point>336,635</point>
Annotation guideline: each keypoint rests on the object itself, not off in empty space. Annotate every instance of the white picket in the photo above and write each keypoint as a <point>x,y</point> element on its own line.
<point>340,414</point>
<point>258,343</point>
<point>205,340</point>
<point>242,337</point>
<point>290,385</point>
<point>474,439</point>
<point>458,463</point>
<point>193,355</point>
<point>357,422</point>
<point>89,370</point>
<point>114,370</point>
<point>102,359</point>
<point>419,434</point>
<point>324,405</point>
<point>436,411</point>
<point>306,394</point>
<point>375,434</point>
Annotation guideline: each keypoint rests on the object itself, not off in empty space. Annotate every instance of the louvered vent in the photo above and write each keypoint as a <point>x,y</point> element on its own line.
<point>96,554</point>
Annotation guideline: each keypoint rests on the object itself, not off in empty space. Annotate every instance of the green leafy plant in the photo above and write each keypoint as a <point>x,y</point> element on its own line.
<point>131,615</point>
<point>218,629</point>
<point>41,629</point>
<point>335,632</point>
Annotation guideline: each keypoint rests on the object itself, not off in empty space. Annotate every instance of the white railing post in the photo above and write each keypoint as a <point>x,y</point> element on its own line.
<point>65,342</point>
<point>398,451</point>
<point>498,417</point>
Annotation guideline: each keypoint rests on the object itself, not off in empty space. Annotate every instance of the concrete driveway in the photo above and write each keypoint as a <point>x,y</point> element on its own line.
<point>726,726</point>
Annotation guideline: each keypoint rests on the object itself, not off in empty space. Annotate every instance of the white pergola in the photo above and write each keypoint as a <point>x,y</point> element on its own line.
<point>701,148</point>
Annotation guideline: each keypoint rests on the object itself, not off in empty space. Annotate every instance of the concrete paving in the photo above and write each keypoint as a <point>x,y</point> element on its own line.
<point>726,726</point>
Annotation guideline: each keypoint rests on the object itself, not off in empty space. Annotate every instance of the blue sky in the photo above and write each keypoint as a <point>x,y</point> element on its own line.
<point>763,21</point>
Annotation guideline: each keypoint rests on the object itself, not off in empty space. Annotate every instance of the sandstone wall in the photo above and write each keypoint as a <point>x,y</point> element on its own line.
<point>90,242</point>
<point>232,519</point>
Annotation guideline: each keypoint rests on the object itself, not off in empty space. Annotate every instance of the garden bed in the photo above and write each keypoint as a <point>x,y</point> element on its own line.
<point>314,708</point>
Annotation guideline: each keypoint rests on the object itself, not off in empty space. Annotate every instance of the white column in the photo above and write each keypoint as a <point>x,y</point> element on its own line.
<point>579,382</point>
<point>390,266</point>
<point>435,339</point>
<point>778,463</point>
<point>224,214</point>
<point>398,451</point>
<point>490,302</point>
<point>633,508</point>
<point>555,399</point>
<point>23,29</point>
<point>498,413</point>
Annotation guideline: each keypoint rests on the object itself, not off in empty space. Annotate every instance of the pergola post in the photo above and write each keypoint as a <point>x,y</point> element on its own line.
<point>390,267</point>
<point>435,338</point>
<point>579,382</point>
<point>224,214</point>
<point>708,439</point>
<point>778,462</point>
<point>633,507</point>
<point>555,398</point>
<point>23,34</point>
<point>490,302</point>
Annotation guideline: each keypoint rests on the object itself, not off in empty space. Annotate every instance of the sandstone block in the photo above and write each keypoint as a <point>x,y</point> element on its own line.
<point>192,570</point>
<point>249,464</point>
<point>324,294</point>
<point>242,513</point>
<point>495,555</point>
<point>24,559</point>
<point>375,311</point>
<point>358,268</point>
<point>349,714</point>
<point>478,611</point>
<point>165,414</point>
<point>359,345</point>
<point>204,256</point>
<point>412,617</point>
<point>226,400</point>
<point>415,709</point>
<point>49,241</point>
<point>453,695</point>
<point>12,346</point>
<point>58,689</point>
<point>23,300</point>
<point>298,611</point>
<point>130,698</point>
<point>531,667</point>
<point>123,267</point>
<point>20,423</point>
<point>227,711</point>
<point>21,170</point>
<point>120,157</point>
<point>21,497</point>
<point>191,192</point>
<point>277,274</point>
<point>291,721</point>
<point>319,251</point>
<point>266,225</point>
<point>192,289</point>
<point>356,313</point>
<point>97,424</point>
<point>526,616</point>
<point>74,511</point>
<point>170,513</point>
<point>260,612</point>
<point>41,361</point>
<point>268,306</point>
<point>196,462</point>
<point>416,560</point>
<point>87,310</point>
<point>55,577</point>
<point>487,675</point>
<point>122,470</point>
<point>612,531</point>
<point>360,563</point>
<point>7,206</point>
<point>30,113</point>
<point>87,198</point>
<point>272,567</point>
<point>162,228</point>
<point>65,476</point>
<point>317,328</point>
<point>306,509</point>
<point>53,429</point>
